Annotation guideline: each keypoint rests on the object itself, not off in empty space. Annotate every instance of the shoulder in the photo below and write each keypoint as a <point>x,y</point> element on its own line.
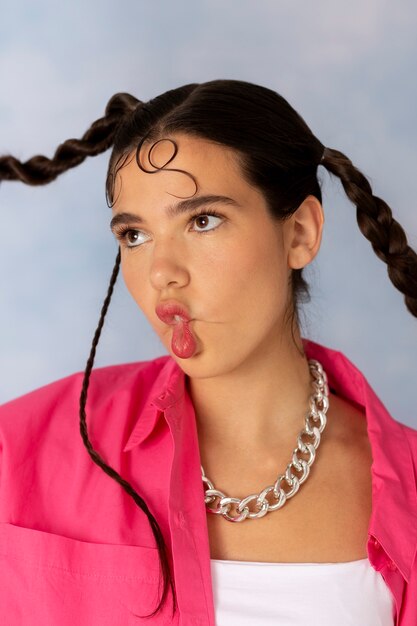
<point>411,436</point>
<point>107,378</point>
<point>61,397</point>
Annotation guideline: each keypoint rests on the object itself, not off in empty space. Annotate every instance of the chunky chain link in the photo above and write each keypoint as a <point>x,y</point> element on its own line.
<point>318,404</point>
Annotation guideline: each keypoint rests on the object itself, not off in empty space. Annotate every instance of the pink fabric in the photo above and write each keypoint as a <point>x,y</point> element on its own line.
<point>76,549</point>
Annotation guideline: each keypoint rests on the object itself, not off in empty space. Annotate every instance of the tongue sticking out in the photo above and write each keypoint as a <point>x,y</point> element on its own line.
<point>183,342</point>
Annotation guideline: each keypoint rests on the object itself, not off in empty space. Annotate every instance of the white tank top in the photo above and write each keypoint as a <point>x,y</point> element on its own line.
<point>248,593</point>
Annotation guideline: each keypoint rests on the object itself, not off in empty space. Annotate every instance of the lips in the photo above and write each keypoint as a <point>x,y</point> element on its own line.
<point>171,312</point>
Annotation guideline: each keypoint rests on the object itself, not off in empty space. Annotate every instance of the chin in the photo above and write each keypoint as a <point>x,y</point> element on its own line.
<point>205,365</point>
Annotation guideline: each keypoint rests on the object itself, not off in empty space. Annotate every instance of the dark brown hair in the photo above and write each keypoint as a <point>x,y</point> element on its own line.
<point>277,152</point>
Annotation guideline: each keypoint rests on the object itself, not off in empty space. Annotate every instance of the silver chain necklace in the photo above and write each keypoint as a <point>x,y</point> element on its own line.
<point>262,505</point>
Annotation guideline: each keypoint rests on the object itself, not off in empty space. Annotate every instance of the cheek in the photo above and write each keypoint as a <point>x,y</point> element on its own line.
<point>135,283</point>
<point>138,288</point>
<point>247,293</point>
<point>253,278</point>
<point>128,277</point>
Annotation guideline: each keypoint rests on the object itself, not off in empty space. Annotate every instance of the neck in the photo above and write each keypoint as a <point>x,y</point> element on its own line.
<point>259,407</point>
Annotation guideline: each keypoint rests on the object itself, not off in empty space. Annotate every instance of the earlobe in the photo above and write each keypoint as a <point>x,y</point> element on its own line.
<point>304,231</point>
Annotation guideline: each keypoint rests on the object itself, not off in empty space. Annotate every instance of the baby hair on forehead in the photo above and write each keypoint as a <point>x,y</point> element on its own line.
<point>160,168</point>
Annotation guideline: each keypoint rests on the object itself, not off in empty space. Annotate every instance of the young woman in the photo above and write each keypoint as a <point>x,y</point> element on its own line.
<point>251,471</point>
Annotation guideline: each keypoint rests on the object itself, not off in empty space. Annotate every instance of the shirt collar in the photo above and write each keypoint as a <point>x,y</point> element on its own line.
<point>394,502</point>
<point>167,389</point>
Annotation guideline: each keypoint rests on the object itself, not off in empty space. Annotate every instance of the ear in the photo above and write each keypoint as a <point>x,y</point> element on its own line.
<point>303,232</point>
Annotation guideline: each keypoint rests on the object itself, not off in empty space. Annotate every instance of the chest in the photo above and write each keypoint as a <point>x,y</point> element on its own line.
<point>327,520</point>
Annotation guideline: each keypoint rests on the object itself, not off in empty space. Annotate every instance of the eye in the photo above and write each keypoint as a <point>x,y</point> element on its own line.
<point>126,235</point>
<point>205,214</point>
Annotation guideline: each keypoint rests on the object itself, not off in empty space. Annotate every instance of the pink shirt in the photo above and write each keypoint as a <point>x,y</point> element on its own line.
<point>76,549</point>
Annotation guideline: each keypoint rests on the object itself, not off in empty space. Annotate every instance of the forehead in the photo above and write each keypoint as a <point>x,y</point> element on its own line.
<point>213,168</point>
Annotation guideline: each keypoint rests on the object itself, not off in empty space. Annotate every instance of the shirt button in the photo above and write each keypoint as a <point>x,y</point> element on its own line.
<point>392,566</point>
<point>180,519</point>
<point>376,543</point>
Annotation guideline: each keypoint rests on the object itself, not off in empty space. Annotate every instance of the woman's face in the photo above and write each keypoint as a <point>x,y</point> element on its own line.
<point>230,272</point>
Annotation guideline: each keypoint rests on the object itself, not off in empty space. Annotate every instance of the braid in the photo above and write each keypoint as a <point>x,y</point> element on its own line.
<point>377,224</point>
<point>40,170</point>
<point>106,468</point>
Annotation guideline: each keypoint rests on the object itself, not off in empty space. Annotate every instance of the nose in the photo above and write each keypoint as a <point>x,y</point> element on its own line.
<point>168,266</point>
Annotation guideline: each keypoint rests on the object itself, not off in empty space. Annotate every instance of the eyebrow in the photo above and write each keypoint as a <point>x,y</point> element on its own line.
<point>184,206</point>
